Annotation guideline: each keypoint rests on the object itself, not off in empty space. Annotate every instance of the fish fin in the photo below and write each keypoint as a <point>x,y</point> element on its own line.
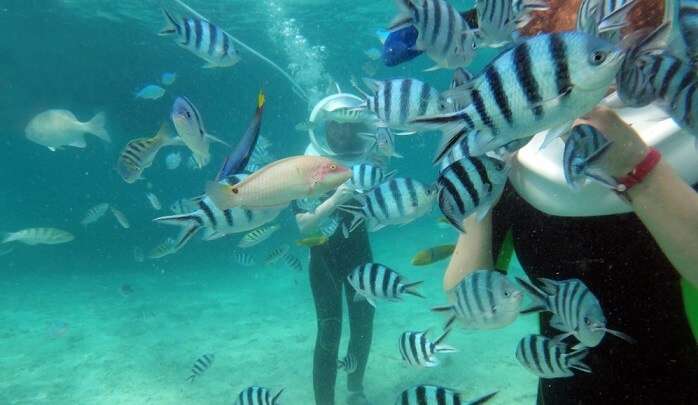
<point>399,156</point>
<point>533,309</point>
<point>621,335</point>
<point>221,194</point>
<point>213,235</point>
<point>403,18</point>
<point>433,68</point>
<point>441,348</point>
<point>442,308</point>
<point>616,19</point>
<point>554,133</point>
<point>389,175</point>
<point>357,212</point>
<point>382,35</point>
<point>559,338</point>
<point>214,139</point>
<point>575,360</point>
<point>450,321</point>
<point>95,126</point>
<point>410,288</point>
<point>432,362</point>
<point>210,65</point>
<point>276,397</point>
<point>538,295</point>
<point>483,399</point>
<point>52,149</point>
<point>170,24</point>
<point>185,235</point>
<point>345,231</point>
<point>179,220</point>
<point>602,178</point>
<point>372,84</point>
<point>79,143</point>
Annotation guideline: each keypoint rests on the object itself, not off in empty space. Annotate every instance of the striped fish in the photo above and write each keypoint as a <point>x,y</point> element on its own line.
<point>549,359</point>
<point>204,39</point>
<point>584,145</point>
<point>139,153</point>
<point>383,141</point>
<point>417,350</point>
<point>400,200</point>
<point>257,396</point>
<point>688,26</point>
<point>424,394</point>
<point>348,363</point>
<point>470,185</point>
<point>443,33</point>
<point>189,124</point>
<point>373,280</point>
<point>604,18</point>
<point>499,19</point>
<point>577,312</point>
<point>243,258</point>
<point>94,214</point>
<point>183,205</point>
<point>276,254</point>
<point>38,236</point>
<point>485,299</point>
<point>166,248</point>
<point>200,366</point>
<point>292,262</point>
<point>257,236</point>
<point>366,177</point>
<point>120,217</point>
<point>515,98</point>
<point>216,222</point>
<point>398,101</point>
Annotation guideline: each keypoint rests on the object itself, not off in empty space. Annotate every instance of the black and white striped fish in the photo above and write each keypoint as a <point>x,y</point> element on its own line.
<point>243,258</point>
<point>498,20</point>
<point>547,358</point>
<point>292,262</point>
<point>373,280</point>
<point>216,222</point>
<point>398,101</point>
<point>485,299</point>
<point>584,145</point>
<point>200,366</point>
<point>366,177</point>
<point>348,363</point>
<point>257,396</point>
<point>604,18</point>
<point>688,26</point>
<point>257,236</point>
<point>435,395</point>
<point>417,350</point>
<point>545,81</point>
<point>470,185</point>
<point>203,39</point>
<point>277,253</point>
<point>443,33</point>
<point>399,200</point>
<point>576,311</point>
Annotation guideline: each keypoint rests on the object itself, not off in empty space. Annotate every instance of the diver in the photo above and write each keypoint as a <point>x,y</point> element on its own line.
<point>632,255</point>
<point>331,262</point>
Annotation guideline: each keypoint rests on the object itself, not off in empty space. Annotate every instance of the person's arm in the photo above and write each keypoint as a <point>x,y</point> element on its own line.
<point>309,221</point>
<point>473,251</point>
<point>665,204</point>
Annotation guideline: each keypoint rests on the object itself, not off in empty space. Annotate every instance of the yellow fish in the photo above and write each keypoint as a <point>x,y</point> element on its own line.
<point>432,255</point>
<point>311,241</point>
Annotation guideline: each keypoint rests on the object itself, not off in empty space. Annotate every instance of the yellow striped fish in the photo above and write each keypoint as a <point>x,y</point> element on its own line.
<point>257,236</point>
<point>139,153</point>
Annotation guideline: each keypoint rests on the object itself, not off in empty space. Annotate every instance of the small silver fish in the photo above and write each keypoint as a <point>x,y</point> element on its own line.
<point>373,280</point>
<point>549,359</point>
<point>164,249</point>
<point>38,236</point>
<point>120,218</point>
<point>150,92</point>
<point>154,201</point>
<point>94,214</point>
<point>257,236</point>
<point>276,254</point>
<point>584,145</point>
<point>201,364</point>
<point>292,262</point>
<point>243,258</point>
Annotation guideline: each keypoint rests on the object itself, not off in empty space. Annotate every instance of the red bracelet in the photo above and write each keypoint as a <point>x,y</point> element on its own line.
<point>640,171</point>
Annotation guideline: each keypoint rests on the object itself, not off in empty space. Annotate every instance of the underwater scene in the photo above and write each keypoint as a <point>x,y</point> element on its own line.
<point>413,202</point>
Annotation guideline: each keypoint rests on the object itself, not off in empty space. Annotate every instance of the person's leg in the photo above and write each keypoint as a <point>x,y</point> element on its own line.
<point>327,294</point>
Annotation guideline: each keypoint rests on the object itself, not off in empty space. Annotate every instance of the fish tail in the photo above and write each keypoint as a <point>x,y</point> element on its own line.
<point>538,295</point>
<point>410,288</point>
<point>404,16</point>
<point>96,127</point>
<point>357,212</point>
<point>170,24</point>
<point>221,194</point>
<point>441,348</point>
<point>185,235</point>
<point>276,397</point>
<point>575,360</point>
<point>483,399</point>
<point>6,237</point>
<point>191,378</point>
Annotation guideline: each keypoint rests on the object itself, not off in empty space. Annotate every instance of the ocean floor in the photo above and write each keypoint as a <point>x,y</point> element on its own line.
<point>79,338</point>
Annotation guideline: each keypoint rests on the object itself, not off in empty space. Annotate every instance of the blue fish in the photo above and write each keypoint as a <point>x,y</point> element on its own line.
<point>238,158</point>
<point>398,46</point>
<point>168,78</point>
<point>150,92</point>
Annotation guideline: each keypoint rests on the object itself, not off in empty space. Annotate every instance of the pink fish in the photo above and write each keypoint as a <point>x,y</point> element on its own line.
<point>281,182</point>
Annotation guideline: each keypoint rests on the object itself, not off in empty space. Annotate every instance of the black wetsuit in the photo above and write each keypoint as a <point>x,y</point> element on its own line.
<point>639,290</point>
<point>330,264</point>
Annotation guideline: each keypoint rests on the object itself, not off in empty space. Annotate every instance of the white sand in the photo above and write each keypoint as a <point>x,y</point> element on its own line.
<point>259,323</point>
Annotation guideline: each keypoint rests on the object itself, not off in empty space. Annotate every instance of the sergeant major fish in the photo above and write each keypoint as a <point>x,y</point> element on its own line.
<point>257,236</point>
<point>276,254</point>
<point>366,177</point>
<point>292,262</point>
<point>120,218</point>
<point>348,363</point>
<point>257,396</point>
<point>485,299</point>
<point>373,280</point>
<point>139,153</point>
<point>499,19</point>
<point>584,145</point>
<point>243,258</point>
<point>435,395</point>
<point>200,366</point>
<point>55,129</point>
<point>515,98</point>
<point>94,214</point>
<point>203,39</point>
<point>549,359</point>
<point>417,350</point>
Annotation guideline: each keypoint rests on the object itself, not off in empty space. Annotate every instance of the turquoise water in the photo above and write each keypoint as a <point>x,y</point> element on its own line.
<point>72,333</point>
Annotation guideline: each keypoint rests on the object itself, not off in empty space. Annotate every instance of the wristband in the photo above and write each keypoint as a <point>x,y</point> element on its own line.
<point>638,174</point>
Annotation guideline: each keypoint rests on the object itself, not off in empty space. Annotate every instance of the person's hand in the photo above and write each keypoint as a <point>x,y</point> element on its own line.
<point>627,148</point>
<point>343,194</point>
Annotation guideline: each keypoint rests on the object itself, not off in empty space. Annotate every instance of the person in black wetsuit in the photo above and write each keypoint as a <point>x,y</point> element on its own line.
<point>631,262</point>
<point>330,264</point>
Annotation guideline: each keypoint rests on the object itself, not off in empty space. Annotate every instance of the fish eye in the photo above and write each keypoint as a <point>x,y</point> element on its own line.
<point>333,166</point>
<point>598,57</point>
<point>507,293</point>
<point>474,45</point>
<point>587,321</point>
<point>234,190</point>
